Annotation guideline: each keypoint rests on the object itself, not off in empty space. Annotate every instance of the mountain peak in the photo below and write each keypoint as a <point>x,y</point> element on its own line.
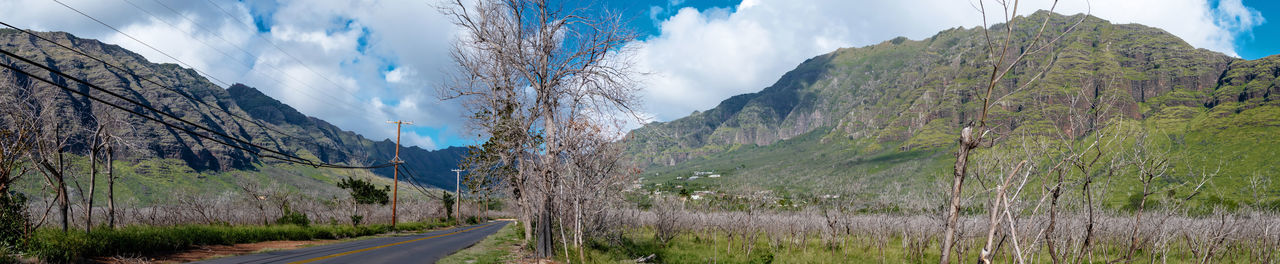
<point>245,113</point>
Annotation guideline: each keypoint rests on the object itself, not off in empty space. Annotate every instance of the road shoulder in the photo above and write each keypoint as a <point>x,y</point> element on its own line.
<point>496,248</point>
<point>209,252</point>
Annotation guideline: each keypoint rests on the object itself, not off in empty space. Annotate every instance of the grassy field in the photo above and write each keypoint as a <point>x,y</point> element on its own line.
<point>496,248</point>
<point>717,248</point>
<point>57,246</point>
<point>1238,146</point>
<point>155,181</point>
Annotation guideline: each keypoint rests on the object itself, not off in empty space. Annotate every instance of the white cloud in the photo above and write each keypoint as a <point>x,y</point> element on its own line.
<point>339,52</point>
<point>347,54</point>
<point>414,139</point>
<point>395,76</point>
<point>704,56</point>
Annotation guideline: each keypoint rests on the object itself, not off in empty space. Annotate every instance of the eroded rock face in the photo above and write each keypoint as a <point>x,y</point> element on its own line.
<point>306,136</point>
<point>913,94</point>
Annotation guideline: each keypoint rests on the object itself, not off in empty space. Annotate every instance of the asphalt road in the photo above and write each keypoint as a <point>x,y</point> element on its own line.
<point>420,248</point>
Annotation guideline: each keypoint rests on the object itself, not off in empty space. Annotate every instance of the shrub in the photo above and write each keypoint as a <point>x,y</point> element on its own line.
<point>5,257</point>
<point>666,210</point>
<point>57,247</point>
<point>291,217</point>
<point>13,220</point>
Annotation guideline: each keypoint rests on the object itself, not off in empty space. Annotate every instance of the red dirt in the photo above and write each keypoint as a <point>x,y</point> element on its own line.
<point>206,252</point>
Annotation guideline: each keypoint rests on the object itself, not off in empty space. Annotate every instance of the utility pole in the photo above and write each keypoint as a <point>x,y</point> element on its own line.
<point>396,174</point>
<point>457,184</point>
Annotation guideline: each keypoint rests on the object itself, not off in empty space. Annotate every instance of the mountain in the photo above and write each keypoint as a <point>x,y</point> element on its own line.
<point>888,115</point>
<point>240,111</point>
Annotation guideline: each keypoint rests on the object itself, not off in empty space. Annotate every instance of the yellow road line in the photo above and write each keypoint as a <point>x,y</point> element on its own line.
<point>383,246</point>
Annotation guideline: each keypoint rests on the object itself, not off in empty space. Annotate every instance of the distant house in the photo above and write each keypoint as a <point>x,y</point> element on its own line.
<point>693,178</point>
<point>714,176</point>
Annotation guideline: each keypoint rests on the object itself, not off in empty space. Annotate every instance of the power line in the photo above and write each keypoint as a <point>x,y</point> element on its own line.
<point>175,90</point>
<point>135,102</point>
<point>287,157</point>
<point>215,33</point>
<point>143,43</point>
<point>42,79</point>
<point>417,185</point>
<point>248,67</point>
<point>277,47</point>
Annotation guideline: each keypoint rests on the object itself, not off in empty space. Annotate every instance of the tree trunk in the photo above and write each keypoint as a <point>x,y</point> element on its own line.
<point>93,179</point>
<point>526,219</point>
<point>545,246</point>
<point>64,202</point>
<point>577,228</point>
<point>111,191</point>
<point>967,143</point>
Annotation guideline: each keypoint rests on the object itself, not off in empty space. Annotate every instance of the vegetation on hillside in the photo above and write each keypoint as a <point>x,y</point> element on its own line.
<point>886,116</point>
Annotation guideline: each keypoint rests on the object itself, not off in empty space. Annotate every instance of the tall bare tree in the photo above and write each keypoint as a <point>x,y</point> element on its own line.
<point>1005,55</point>
<point>526,68</point>
<point>17,134</point>
<point>36,107</point>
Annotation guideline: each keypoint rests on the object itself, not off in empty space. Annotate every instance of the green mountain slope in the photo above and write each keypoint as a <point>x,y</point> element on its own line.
<point>306,136</point>
<point>883,117</point>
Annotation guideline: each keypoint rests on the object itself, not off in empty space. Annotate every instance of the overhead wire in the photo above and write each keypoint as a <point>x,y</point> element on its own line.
<point>249,67</point>
<point>175,90</point>
<point>131,111</point>
<point>281,155</point>
<point>210,76</point>
<point>284,156</point>
<point>277,47</point>
<point>418,186</point>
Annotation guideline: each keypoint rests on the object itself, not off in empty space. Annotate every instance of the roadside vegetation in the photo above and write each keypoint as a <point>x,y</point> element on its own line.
<point>57,246</point>
<point>501,247</point>
<point>889,247</point>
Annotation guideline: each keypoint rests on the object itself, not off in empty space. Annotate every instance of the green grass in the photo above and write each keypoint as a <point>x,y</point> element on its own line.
<point>57,246</point>
<point>811,164</point>
<point>6,256</point>
<point>716,248</point>
<point>156,181</point>
<point>1239,146</point>
<point>493,249</point>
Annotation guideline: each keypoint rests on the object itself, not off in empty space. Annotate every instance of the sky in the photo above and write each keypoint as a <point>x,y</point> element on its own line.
<point>359,63</point>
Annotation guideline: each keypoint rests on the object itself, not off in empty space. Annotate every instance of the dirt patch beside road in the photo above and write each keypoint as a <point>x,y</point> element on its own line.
<point>211,251</point>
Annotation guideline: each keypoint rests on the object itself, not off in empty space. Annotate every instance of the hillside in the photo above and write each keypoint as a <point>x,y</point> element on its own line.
<point>302,135</point>
<point>886,117</point>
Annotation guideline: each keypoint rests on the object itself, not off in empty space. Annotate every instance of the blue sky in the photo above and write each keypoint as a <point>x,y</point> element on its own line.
<point>358,63</point>
<point>1265,38</point>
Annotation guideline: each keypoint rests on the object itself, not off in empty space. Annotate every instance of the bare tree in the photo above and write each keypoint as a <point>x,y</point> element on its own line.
<point>526,69</point>
<point>17,134</point>
<point>1152,163</point>
<point>256,195</point>
<point>1004,58</point>
<point>37,108</point>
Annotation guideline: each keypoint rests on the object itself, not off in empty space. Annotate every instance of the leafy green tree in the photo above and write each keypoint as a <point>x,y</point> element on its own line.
<point>486,171</point>
<point>448,200</point>
<point>14,225</point>
<point>291,217</point>
<point>364,192</point>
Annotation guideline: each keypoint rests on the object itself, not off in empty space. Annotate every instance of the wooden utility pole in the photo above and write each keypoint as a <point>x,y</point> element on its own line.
<point>457,185</point>
<point>395,185</point>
